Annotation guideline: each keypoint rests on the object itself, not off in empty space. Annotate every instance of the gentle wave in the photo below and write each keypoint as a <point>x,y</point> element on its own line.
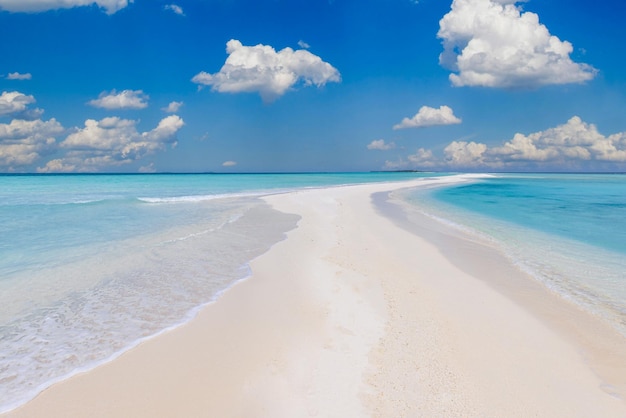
<point>198,198</point>
<point>21,397</point>
<point>95,308</point>
<point>9,204</point>
<point>86,202</point>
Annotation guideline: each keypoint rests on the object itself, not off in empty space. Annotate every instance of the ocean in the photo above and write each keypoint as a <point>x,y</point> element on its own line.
<point>568,231</point>
<point>91,265</point>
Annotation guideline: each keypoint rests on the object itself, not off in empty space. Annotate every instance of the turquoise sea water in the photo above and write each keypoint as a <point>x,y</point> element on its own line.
<point>90,265</point>
<point>567,230</point>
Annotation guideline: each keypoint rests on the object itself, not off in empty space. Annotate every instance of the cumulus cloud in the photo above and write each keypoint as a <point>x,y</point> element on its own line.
<point>34,6</point>
<point>395,165</point>
<point>175,8</point>
<point>381,145</point>
<point>121,136</point>
<point>492,43</point>
<point>574,140</point>
<point>463,153</point>
<point>112,142</point>
<point>229,163</point>
<point>429,116</point>
<point>109,142</point>
<point>18,76</point>
<point>165,132</point>
<point>173,107</point>
<point>261,69</point>
<point>15,104</point>
<point>126,99</point>
<point>575,145</point>
<point>422,159</point>
<point>12,102</point>
<point>147,168</point>
<point>23,142</point>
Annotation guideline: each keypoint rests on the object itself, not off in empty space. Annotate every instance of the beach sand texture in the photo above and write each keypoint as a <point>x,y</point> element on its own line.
<point>353,315</point>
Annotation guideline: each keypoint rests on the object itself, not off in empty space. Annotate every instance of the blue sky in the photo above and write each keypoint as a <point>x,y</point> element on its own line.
<point>311,85</point>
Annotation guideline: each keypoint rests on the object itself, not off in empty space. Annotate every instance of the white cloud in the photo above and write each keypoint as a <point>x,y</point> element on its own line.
<point>18,76</point>
<point>127,99</point>
<point>492,43</point>
<point>175,8</point>
<point>575,145</point>
<point>303,44</point>
<point>165,132</point>
<point>121,135</point>
<point>463,153</point>
<point>23,142</point>
<point>57,166</point>
<point>15,104</point>
<point>381,145</point>
<point>112,142</point>
<point>395,165</point>
<point>34,6</point>
<point>106,134</point>
<point>261,69</point>
<point>147,168</point>
<point>109,142</point>
<point>173,107</point>
<point>20,129</point>
<point>422,158</point>
<point>12,102</point>
<point>429,116</point>
<point>575,140</point>
<point>229,163</point>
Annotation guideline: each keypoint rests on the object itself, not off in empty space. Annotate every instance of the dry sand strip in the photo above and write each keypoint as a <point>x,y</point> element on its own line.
<point>350,316</point>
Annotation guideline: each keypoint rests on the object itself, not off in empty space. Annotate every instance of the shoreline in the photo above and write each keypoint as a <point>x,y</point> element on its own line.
<point>601,344</point>
<point>351,315</point>
<point>251,212</point>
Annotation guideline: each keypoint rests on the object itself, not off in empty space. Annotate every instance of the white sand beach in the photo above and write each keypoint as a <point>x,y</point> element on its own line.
<point>353,315</point>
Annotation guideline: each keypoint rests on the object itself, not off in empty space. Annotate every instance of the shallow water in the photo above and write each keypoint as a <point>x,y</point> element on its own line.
<point>567,231</point>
